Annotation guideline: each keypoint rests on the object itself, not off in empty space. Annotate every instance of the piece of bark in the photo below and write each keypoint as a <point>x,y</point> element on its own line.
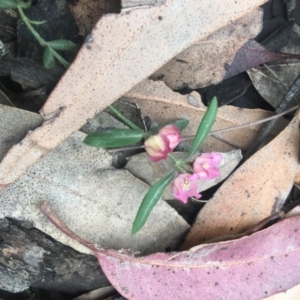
<point>29,257</point>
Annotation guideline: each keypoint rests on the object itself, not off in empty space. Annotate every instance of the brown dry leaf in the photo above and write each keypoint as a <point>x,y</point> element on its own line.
<point>121,51</point>
<point>88,12</point>
<point>193,67</point>
<point>255,191</point>
<point>161,104</point>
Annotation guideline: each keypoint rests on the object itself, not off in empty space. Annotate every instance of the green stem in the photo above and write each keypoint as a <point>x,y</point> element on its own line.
<point>179,164</point>
<point>42,42</point>
<point>59,58</point>
<point>124,119</point>
<point>29,26</point>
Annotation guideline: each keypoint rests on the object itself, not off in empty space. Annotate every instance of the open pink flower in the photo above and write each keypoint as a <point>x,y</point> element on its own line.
<point>206,165</point>
<point>159,145</point>
<point>185,186</point>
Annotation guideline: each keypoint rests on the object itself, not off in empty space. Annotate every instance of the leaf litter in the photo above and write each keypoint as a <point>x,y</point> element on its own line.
<point>223,270</point>
<point>79,182</point>
<point>119,262</point>
<point>159,30</point>
<point>254,191</point>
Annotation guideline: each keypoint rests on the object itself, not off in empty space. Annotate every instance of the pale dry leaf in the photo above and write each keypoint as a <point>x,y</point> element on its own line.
<point>290,294</point>
<point>206,62</point>
<point>121,51</point>
<point>161,104</point>
<point>152,172</point>
<point>95,200</point>
<point>255,190</point>
<point>293,212</point>
<point>134,3</point>
<point>14,125</point>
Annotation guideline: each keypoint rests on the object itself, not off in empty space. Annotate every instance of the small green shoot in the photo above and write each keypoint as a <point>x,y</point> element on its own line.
<point>50,53</point>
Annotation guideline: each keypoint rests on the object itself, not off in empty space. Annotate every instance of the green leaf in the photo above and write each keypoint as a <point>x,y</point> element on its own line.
<point>204,127</point>
<point>63,45</point>
<point>48,58</point>
<point>24,4</point>
<point>114,138</point>
<point>180,123</point>
<point>8,4</point>
<point>36,22</point>
<point>150,200</point>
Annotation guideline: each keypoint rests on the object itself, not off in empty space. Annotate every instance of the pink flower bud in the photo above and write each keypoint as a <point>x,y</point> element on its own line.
<point>206,165</point>
<point>158,146</point>
<point>185,186</point>
<point>173,134</point>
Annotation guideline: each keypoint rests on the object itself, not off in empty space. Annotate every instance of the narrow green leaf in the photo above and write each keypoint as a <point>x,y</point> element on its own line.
<point>24,4</point>
<point>48,58</point>
<point>180,123</point>
<point>114,138</point>
<point>36,22</point>
<point>63,45</point>
<point>124,119</point>
<point>204,127</point>
<point>59,58</point>
<point>8,4</point>
<point>150,200</point>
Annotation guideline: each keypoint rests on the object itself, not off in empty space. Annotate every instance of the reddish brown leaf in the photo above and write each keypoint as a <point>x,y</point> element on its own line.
<point>252,267</point>
<point>249,268</point>
<point>252,54</point>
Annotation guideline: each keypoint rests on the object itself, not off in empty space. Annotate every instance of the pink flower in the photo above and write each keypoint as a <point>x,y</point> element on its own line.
<point>185,186</point>
<point>206,164</point>
<point>159,145</point>
<point>173,134</point>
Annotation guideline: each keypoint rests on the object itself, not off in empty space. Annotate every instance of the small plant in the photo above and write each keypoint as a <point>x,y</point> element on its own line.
<point>51,47</point>
<point>159,143</point>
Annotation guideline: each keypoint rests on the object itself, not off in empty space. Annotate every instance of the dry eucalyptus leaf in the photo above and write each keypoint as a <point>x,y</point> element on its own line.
<point>14,125</point>
<point>255,190</point>
<point>161,104</point>
<point>252,267</point>
<point>4,100</point>
<point>206,62</point>
<point>290,294</point>
<point>112,61</point>
<point>95,201</point>
<point>274,82</point>
<point>134,3</point>
<point>152,172</point>
<point>273,85</point>
<point>294,212</point>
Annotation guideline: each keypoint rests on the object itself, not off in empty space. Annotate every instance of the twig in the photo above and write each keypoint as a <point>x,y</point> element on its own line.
<point>47,211</point>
